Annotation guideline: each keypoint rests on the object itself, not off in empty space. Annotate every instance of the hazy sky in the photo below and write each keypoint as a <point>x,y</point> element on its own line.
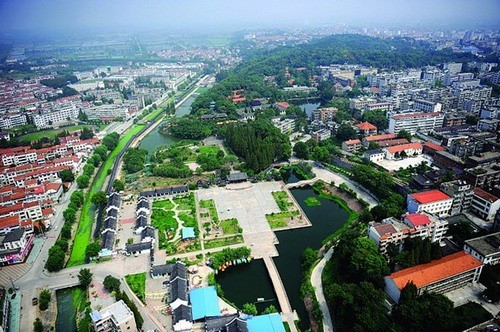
<point>44,15</point>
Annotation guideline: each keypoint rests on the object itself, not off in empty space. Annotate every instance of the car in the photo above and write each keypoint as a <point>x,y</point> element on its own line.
<point>34,301</point>
<point>487,299</point>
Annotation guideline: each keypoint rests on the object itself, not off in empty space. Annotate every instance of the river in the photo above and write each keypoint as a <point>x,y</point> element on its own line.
<point>247,282</point>
<point>67,303</point>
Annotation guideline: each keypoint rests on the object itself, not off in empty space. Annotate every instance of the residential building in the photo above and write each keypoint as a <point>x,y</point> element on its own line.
<point>374,155</point>
<point>413,122</point>
<point>431,148</point>
<point>384,106</point>
<point>492,125</point>
<point>461,192</point>
<point>352,145</point>
<point>485,248</point>
<point>281,106</point>
<point>439,276</point>
<point>366,128</point>
<point>321,135</point>
<point>431,201</point>
<point>484,204</point>
<point>483,176</point>
<point>324,114</point>
<point>403,151</point>
<point>15,242</point>
<point>115,318</point>
<point>422,105</point>
<point>48,118</point>
<point>425,225</point>
<point>286,126</point>
<point>377,138</point>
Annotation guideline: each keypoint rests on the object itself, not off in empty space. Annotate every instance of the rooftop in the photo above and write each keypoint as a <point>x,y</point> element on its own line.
<point>485,195</point>
<point>429,196</point>
<point>204,302</point>
<point>366,126</point>
<point>429,273</point>
<point>403,147</point>
<point>380,137</point>
<point>268,323</point>
<point>352,141</point>
<point>418,219</point>
<point>485,245</point>
<point>434,146</point>
<point>188,233</point>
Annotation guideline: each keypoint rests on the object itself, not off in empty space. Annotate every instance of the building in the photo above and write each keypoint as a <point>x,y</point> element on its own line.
<point>204,302</point>
<point>425,225</point>
<point>484,204</point>
<point>422,105</point>
<point>366,128</point>
<point>281,106</point>
<point>374,155</point>
<point>43,119</point>
<point>377,138</point>
<point>461,192</point>
<point>415,122</point>
<point>431,148</point>
<point>488,125</point>
<point>352,145</point>
<point>15,241</point>
<point>485,248</point>
<point>171,191</point>
<point>440,276</point>
<point>115,318</point>
<point>323,114</point>
<point>286,126</point>
<point>404,150</point>
<point>431,201</point>
<point>321,135</point>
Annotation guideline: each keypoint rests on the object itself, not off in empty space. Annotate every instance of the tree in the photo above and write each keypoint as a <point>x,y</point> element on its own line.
<point>111,284</point>
<point>92,250</point>
<point>404,134</point>
<point>102,151</point>
<point>55,261</point>
<point>95,159</point>
<point>63,244</point>
<point>376,118</point>
<point>66,175</point>
<point>85,278</point>
<point>83,181</point>
<point>270,310</point>
<point>118,185</point>
<point>249,309</point>
<point>86,133</point>
<point>69,215</point>
<point>37,325</point>
<point>134,159</point>
<point>44,299</point>
<point>88,168</point>
<point>345,132</point>
<point>308,258</point>
<point>301,150</point>
<point>77,198</point>
<point>99,198</point>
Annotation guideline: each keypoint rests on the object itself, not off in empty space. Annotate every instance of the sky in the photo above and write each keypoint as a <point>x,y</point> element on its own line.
<point>52,15</point>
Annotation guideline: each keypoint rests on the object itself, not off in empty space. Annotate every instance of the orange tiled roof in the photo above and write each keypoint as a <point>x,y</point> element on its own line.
<point>434,146</point>
<point>352,141</point>
<point>366,126</point>
<point>429,273</point>
<point>429,196</point>
<point>403,147</point>
<point>380,137</point>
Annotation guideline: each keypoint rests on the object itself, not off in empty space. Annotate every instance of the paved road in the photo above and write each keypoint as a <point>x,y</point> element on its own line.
<point>318,290</point>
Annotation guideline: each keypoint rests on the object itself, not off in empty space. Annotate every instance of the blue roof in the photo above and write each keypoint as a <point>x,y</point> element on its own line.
<point>188,233</point>
<point>265,323</point>
<point>204,302</point>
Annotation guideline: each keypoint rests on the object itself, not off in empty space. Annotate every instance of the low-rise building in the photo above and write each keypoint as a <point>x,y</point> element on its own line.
<point>115,318</point>
<point>352,145</point>
<point>439,276</point>
<point>366,128</point>
<point>374,155</point>
<point>286,126</point>
<point>430,201</point>
<point>484,204</point>
<point>485,248</point>
<point>404,150</point>
<point>377,138</point>
<point>321,135</point>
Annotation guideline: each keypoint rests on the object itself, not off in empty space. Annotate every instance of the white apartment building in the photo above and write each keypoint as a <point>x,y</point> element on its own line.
<point>44,119</point>
<point>425,225</point>
<point>19,158</point>
<point>413,122</point>
<point>422,105</point>
<point>114,318</point>
<point>485,248</point>
<point>461,192</point>
<point>107,111</point>
<point>430,201</point>
<point>12,120</point>
<point>484,204</point>
<point>286,126</point>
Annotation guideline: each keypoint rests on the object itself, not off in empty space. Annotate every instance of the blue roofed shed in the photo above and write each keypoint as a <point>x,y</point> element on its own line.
<point>265,323</point>
<point>188,233</point>
<point>204,302</point>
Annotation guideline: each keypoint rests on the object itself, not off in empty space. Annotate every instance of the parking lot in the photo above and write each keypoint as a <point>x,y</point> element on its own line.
<point>472,293</point>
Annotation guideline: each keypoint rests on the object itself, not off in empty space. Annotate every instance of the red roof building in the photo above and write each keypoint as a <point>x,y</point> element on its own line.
<point>409,149</point>
<point>431,148</point>
<point>430,201</point>
<point>442,275</point>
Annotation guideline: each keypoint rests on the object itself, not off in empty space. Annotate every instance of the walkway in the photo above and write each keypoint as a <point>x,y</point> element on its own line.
<point>318,290</point>
<point>287,314</point>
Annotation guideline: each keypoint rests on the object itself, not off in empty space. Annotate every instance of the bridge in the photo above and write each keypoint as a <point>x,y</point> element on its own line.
<point>302,183</point>
<point>287,314</point>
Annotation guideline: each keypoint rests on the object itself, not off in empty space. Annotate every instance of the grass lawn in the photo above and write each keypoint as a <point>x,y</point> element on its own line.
<point>50,133</point>
<point>166,204</point>
<point>221,242</point>
<point>137,283</point>
<point>282,199</point>
<point>188,219</point>
<point>186,203</point>
<point>210,205</point>
<point>84,230</point>
<point>211,149</point>
<point>201,90</point>
<point>230,226</point>
<point>277,220</point>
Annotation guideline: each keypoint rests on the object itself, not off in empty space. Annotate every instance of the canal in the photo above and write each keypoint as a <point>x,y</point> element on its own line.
<point>68,300</point>
<point>247,282</point>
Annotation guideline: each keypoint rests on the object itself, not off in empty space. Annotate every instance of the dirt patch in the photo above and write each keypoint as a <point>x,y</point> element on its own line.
<point>309,306</point>
<point>351,202</point>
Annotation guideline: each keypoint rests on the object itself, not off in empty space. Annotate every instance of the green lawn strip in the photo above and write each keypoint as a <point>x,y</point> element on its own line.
<point>278,220</point>
<point>282,199</point>
<point>230,226</point>
<point>51,133</point>
<point>224,241</point>
<point>84,230</point>
<point>137,283</point>
<point>166,204</point>
<point>312,201</point>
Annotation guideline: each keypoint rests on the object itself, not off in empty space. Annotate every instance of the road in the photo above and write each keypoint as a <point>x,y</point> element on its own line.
<point>318,290</point>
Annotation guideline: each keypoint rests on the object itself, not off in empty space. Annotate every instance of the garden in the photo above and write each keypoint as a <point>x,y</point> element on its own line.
<point>287,208</point>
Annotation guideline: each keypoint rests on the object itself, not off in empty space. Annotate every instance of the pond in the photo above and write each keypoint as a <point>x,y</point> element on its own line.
<point>309,105</point>
<point>67,303</point>
<point>290,175</point>
<point>155,139</point>
<point>326,219</point>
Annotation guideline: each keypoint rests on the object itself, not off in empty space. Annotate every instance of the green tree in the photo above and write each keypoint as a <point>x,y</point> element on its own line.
<point>376,118</point>
<point>69,215</point>
<point>301,150</point>
<point>102,151</point>
<point>88,168</point>
<point>92,250</point>
<point>55,260</point>
<point>83,181</point>
<point>63,244</point>
<point>345,132</point>
<point>77,198</point>
<point>66,175</point>
<point>99,198</point>
<point>86,133</point>
<point>309,257</point>
<point>44,299</point>
<point>404,134</point>
<point>37,325</point>
<point>111,284</point>
<point>118,185</point>
<point>249,309</point>
<point>95,159</point>
<point>85,278</point>
<point>270,310</point>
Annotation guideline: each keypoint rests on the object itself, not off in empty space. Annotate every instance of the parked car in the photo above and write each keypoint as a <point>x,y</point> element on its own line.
<point>34,301</point>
